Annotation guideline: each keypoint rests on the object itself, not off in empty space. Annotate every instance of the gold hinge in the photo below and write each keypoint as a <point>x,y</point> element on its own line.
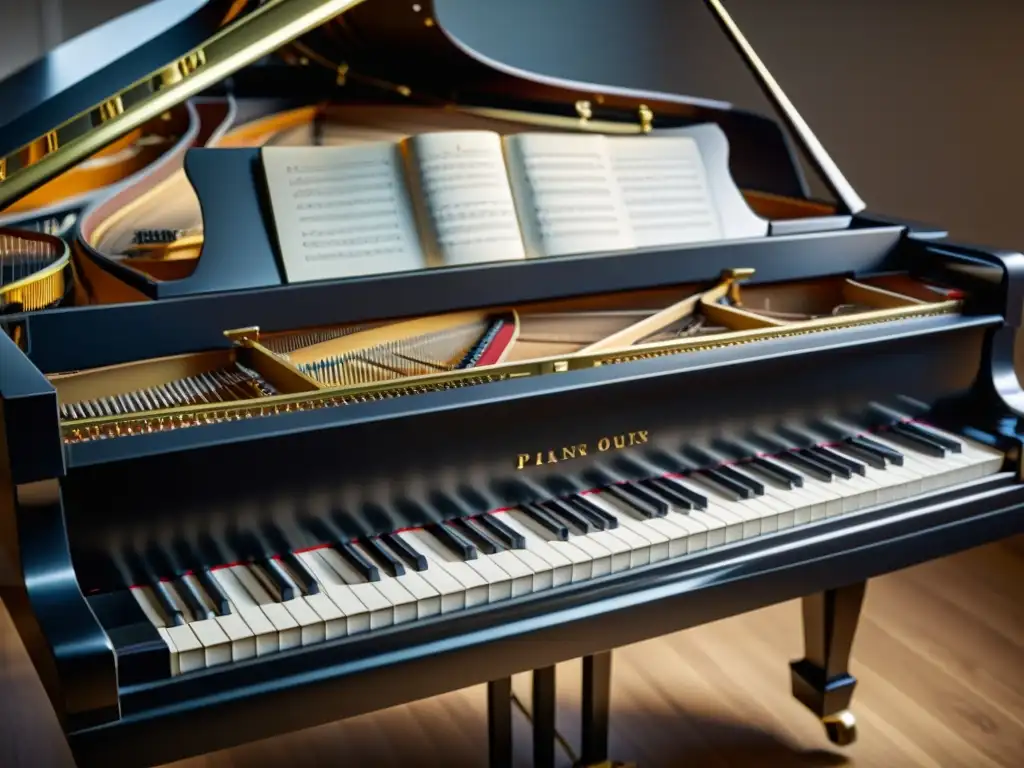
<point>183,67</point>
<point>342,74</point>
<point>111,109</point>
<point>51,142</point>
<point>3,168</point>
<point>584,110</point>
<point>646,116</point>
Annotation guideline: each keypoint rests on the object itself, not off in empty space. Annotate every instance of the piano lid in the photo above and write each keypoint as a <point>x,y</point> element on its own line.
<point>94,89</point>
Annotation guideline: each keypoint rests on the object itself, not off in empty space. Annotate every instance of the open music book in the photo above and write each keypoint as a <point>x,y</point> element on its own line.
<point>463,197</point>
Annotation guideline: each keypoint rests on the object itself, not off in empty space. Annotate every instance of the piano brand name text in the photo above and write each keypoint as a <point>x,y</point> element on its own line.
<point>581,450</point>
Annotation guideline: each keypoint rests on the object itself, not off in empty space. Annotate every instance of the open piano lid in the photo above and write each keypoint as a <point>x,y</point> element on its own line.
<point>94,89</point>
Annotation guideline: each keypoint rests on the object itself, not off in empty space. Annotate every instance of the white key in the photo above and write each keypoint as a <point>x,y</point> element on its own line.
<point>405,604</point>
<point>664,539</point>
<point>475,588</point>
<point>216,644</point>
<point>355,614</point>
<point>289,634</point>
<point>381,610</point>
<point>264,633</point>
<point>539,539</point>
<point>561,565</point>
<point>452,593</point>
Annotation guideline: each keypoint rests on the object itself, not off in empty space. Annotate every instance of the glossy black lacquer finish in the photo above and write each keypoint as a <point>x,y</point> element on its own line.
<point>66,511</point>
<point>265,471</point>
<point>216,709</point>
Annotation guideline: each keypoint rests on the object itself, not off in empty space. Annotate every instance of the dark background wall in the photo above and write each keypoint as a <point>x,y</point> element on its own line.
<point>920,102</point>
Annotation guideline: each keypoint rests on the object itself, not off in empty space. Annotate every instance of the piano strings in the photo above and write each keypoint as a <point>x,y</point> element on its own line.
<point>330,367</point>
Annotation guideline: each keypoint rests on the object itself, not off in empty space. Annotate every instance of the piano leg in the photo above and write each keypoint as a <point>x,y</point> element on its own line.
<point>499,723</point>
<point>545,737</point>
<point>597,683</point>
<point>821,680</point>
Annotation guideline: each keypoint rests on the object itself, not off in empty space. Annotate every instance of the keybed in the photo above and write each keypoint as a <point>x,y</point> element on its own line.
<point>248,610</point>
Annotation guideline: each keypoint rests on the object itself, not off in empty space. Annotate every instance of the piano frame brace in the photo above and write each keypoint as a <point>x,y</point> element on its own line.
<point>213,710</point>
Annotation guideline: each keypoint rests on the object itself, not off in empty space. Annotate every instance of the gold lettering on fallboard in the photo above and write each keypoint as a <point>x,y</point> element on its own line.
<point>573,451</point>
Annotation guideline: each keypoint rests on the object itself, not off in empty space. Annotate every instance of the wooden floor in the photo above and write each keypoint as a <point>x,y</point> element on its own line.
<point>939,655</point>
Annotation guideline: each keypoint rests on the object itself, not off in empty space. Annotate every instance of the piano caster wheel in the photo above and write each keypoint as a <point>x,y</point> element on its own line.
<point>841,728</point>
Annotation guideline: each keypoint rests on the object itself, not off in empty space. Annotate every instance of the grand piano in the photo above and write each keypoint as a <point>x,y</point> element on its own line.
<point>237,504</point>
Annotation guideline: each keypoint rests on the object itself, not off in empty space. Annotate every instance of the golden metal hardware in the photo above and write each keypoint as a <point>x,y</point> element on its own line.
<point>584,110</point>
<point>183,67</point>
<point>646,116</point>
<point>238,335</point>
<point>110,109</point>
<point>341,75</point>
<point>428,22</point>
<point>3,168</point>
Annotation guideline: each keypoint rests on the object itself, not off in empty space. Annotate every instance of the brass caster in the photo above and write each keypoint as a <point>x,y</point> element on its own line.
<point>841,728</point>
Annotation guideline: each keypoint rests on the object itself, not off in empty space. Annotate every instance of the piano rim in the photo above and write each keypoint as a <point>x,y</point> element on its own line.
<point>673,595</point>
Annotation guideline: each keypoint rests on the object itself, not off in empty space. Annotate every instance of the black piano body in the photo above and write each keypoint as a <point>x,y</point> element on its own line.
<point>365,467</point>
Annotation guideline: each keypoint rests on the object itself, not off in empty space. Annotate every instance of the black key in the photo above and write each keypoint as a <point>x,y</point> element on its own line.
<point>808,466</point>
<point>778,471</point>
<point>220,601</point>
<point>699,501</point>
<point>357,560</point>
<point>661,507</point>
<point>891,455</point>
<point>382,556</point>
<point>868,457</point>
<point>732,489</point>
<point>165,597</point>
<point>584,504</point>
<point>562,511</point>
<point>474,532</point>
<point>596,521</point>
<point>300,573</point>
<point>193,599</point>
<point>641,503</point>
<point>917,442</point>
<point>273,575</point>
<point>951,445</point>
<point>543,518</point>
<point>666,493</point>
<point>752,484</point>
<point>502,532</point>
<point>854,466</point>
<point>413,559</point>
<point>454,540</point>
<point>833,466</point>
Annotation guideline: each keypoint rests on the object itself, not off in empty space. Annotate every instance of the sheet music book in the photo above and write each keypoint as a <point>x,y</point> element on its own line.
<point>464,197</point>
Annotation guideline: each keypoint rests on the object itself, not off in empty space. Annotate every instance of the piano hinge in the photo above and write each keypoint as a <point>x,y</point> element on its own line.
<point>646,115</point>
<point>183,67</point>
<point>584,110</point>
<point>110,109</point>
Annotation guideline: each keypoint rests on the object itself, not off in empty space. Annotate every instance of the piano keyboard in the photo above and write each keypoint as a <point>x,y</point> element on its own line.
<point>243,611</point>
